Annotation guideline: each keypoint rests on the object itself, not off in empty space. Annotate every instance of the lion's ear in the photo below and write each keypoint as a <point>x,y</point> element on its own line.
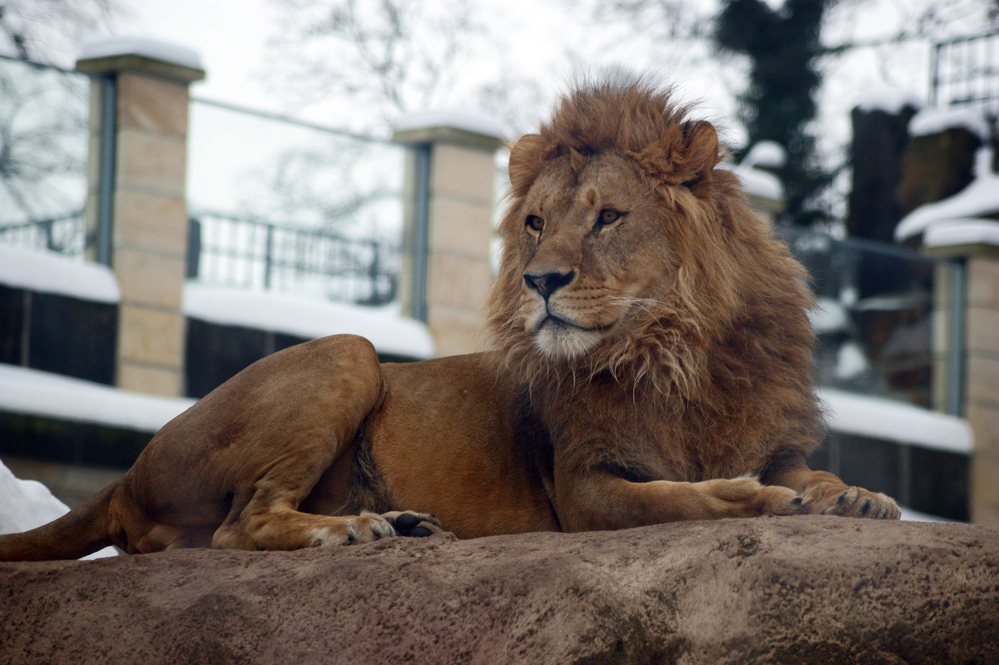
<point>525,162</point>
<point>701,151</point>
<point>685,157</point>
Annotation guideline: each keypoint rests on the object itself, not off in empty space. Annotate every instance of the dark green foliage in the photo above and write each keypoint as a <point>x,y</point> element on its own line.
<point>783,46</point>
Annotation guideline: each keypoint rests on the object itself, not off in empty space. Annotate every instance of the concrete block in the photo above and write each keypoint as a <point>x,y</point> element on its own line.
<point>462,173</point>
<point>460,227</point>
<point>152,104</point>
<point>151,163</point>
<point>150,337</point>
<point>150,223</point>
<point>150,280</point>
<point>458,281</point>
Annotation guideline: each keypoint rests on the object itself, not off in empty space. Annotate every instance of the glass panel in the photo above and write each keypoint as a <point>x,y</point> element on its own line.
<point>877,305</point>
<point>43,156</point>
<point>289,206</point>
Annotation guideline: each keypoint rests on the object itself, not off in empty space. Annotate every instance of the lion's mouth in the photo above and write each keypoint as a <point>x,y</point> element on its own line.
<point>559,323</point>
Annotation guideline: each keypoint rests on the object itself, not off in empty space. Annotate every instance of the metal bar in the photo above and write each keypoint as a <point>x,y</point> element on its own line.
<point>106,187</point>
<point>269,257</point>
<point>421,235</point>
<point>956,355</point>
<point>292,121</point>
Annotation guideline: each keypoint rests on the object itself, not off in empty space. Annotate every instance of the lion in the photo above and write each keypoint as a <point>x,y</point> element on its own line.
<point>652,363</point>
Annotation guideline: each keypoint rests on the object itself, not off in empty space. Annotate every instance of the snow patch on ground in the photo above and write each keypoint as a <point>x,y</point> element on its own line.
<point>26,504</point>
<point>308,317</point>
<point>49,272</point>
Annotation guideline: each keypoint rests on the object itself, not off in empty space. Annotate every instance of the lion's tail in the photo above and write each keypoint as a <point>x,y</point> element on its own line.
<point>80,532</point>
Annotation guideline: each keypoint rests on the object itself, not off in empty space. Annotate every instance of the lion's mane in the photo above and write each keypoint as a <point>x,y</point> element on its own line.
<point>724,350</point>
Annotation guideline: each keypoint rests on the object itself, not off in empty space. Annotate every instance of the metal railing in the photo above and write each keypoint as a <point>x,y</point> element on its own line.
<point>43,152</point>
<point>65,234</point>
<point>965,71</point>
<point>888,319</point>
<point>244,252</point>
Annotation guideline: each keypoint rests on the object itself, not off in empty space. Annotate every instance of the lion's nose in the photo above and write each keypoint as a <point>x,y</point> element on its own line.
<point>549,282</point>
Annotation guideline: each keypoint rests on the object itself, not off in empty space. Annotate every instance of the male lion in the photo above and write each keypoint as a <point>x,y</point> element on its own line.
<point>653,346</point>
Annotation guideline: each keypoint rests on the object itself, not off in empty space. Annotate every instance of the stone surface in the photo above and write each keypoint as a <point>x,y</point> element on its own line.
<point>780,590</point>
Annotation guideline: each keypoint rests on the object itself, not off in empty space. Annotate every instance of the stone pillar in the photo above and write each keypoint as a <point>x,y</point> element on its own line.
<point>146,205</point>
<point>981,366</point>
<point>459,150</point>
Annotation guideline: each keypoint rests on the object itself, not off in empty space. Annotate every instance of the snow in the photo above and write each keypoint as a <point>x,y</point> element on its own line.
<point>850,361</point>
<point>979,199</point>
<point>26,504</point>
<point>156,49</point>
<point>939,119</point>
<point>767,154</point>
<point>49,272</point>
<point>470,121</point>
<point>828,316</point>
<point>757,182</point>
<point>880,418</point>
<point>962,232</point>
<point>887,99</point>
<point>308,317</point>
<point>40,393</point>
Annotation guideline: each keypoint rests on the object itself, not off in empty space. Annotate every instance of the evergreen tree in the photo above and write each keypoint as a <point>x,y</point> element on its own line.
<point>783,46</point>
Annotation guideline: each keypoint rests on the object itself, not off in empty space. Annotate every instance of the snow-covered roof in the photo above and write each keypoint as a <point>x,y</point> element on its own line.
<point>49,272</point>
<point>148,47</point>
<point>979,199</point>
<point>886,98</point>
<point>878,418</point>
<point>938,119</point>
<point>470,121</point>
<point>303,316</point>
<point>40,393</point>
<point>757,181</point>
<point>26,504</point>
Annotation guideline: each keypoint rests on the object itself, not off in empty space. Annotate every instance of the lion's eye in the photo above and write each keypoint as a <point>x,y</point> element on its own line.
<point>534,223</point>
<point>607,217</point>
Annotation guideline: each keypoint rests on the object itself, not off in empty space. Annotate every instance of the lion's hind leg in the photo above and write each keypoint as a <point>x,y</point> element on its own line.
<point>266,518</point>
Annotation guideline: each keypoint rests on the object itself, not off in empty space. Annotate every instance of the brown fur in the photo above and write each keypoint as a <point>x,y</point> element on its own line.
<point>652,346</point>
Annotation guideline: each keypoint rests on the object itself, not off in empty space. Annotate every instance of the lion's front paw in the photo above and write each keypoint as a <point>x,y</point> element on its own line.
<point>847,501</point>
<point>415,525</point>
<point>746,497</point>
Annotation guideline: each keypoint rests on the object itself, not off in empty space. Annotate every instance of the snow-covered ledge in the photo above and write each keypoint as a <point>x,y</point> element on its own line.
<point>969,210</point>
<point>142,54</point>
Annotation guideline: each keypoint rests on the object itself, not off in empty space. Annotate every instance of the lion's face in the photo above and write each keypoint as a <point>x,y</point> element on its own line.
<point>592,248</point>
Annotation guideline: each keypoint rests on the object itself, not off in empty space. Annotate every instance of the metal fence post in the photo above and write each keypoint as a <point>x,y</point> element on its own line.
<point>269,257</point>
<point>955,357</point>
<point>105,194</point>
<point>421,235</point>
